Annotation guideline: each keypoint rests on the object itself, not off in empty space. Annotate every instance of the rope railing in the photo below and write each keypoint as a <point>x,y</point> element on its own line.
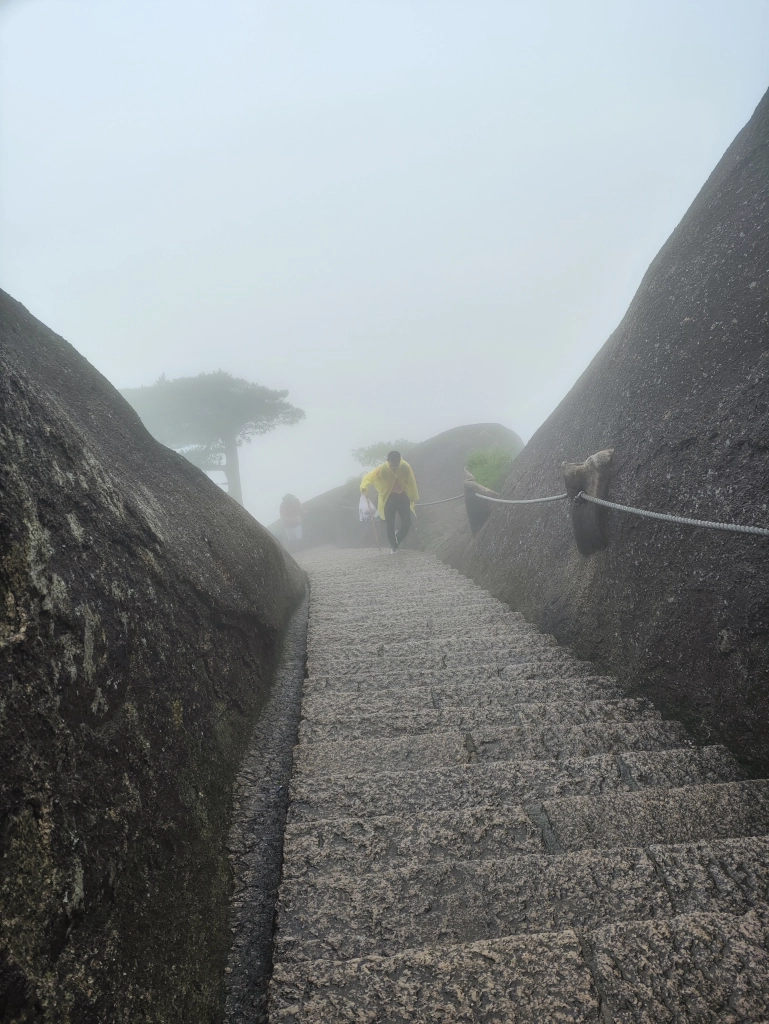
<point>665,517</point>
<point>575,476</point>
<point>759,531</point>
<point>418,504</point>
<point>421,504</point>
<point>521,501</point>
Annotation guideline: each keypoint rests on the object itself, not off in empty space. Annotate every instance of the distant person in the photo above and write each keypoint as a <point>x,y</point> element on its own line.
<point>291,512</point>
<point>397,489</point>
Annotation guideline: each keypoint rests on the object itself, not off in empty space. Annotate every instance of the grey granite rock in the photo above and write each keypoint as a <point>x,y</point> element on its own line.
<point>564,740</point>
<point>728,874</point>
<point>517,980</point>
<point>502,783</point>
<point>397,678</point>
<point>692,969</point>
<point>459,628</point>
<point>486,743</point>
<point>423,657</point>
<point>686,767</point>
<point>373,754</point>
<point>341,724</point>
<point>494,692</point>
<point>688,814</point>
<point>141,613</point>
<point>339,917</point>
<point>360,845</point>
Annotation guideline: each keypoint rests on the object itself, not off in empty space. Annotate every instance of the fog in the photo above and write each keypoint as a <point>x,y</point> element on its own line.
<point>412,215</point>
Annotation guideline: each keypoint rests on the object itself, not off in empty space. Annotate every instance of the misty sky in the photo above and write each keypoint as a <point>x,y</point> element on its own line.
<point>412,215</point>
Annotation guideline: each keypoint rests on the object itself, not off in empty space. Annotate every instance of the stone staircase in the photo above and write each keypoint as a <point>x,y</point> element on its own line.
<point>483,830</point>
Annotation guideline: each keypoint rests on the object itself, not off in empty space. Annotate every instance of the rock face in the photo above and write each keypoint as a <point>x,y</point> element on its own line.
<point>681,393</point>
<point>438,465</point>
<point>140,619</point>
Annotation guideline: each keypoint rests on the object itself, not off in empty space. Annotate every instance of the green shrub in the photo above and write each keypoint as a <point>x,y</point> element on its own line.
<point>491,466</point>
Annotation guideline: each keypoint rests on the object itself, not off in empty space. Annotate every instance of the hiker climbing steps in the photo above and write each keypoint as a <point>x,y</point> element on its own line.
<point>482,829</point>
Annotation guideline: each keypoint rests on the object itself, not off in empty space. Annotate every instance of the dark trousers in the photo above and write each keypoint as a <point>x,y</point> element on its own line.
<point>397,503</point>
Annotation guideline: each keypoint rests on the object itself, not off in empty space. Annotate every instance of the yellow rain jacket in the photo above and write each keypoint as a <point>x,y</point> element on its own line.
<point>383,478</point>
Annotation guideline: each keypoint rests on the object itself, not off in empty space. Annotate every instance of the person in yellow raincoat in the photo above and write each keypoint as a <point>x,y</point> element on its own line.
<point>397,489</point>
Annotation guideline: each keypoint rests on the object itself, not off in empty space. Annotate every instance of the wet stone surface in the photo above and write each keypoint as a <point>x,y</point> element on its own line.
<point>481,829</point>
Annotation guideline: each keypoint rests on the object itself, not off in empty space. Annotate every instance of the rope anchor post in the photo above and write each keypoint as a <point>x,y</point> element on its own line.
<point>589,522</point>
<point>477,511</point>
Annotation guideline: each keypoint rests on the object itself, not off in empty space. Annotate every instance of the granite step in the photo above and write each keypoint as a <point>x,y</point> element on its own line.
<point>341,725</point>
<point>432,656</point>
<point>340,917</point>
<point>410,605</point>
<point>529,742</point>
<point>461,629</point>
<point>389,677</point>
<point>415,613</point>
<point>639,818</point>
<point>502,783</point>
<point>427,590</point>
<point>526,980</point>
<point>481,829</point>
<point>362,845</point>
<point>688,968</point>
<point>689,814</point>
<point>327,705</point>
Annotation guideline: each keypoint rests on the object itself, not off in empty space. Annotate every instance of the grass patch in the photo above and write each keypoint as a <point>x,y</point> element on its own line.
<point>491,466</point>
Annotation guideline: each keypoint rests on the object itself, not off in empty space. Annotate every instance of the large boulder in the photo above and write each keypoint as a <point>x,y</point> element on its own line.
<point>438,464</point>
<point>141,611</point>
<point>681,392</point>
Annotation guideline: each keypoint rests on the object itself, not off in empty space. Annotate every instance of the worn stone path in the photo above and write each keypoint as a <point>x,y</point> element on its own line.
<point>483,830</point>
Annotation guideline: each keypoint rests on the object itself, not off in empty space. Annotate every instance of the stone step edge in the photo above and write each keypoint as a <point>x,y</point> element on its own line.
<point>466,738</point>
<point>543,672</point>
<point>583,943</point>
<point>647,712</point>
<point>344,696</point>
<point>482,867</point>
<point>508,872</point>
<point>480,768</point>
<point>490,767</point>
<point>536,812</point>
<point>464,628</point>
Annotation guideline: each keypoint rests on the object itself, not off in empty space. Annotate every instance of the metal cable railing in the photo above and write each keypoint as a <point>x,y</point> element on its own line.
<point>418,504</point>
<point>421,504</point>
<point>665,517</point>
<point>521,501</point>
<point>757,531</point>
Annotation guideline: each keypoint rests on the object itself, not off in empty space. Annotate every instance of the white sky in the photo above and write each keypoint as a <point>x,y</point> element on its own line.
<point>412,214</point>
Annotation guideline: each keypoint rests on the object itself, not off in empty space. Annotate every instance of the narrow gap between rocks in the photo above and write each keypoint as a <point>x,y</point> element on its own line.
<point>260,808</point>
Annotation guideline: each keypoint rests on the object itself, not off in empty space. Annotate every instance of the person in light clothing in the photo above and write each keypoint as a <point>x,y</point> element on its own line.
<point>291,512</point>
<point>397,490</point>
